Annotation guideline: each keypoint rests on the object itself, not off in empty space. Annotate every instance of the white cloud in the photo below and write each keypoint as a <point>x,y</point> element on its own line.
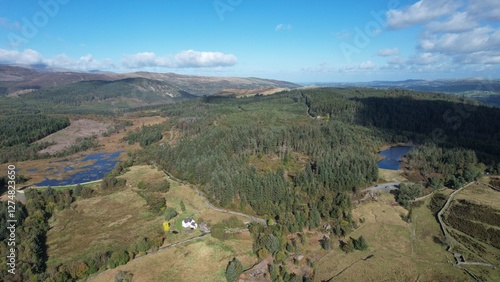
<point>197,59</point>
<point>398,60</point>
<point>485,10</point>
<point>480,58</point>
<point>26,57</point>
<point>458,22</point>
<point>456,36</point>
<point>421,12</point>
<point>388,52</point>
<point>427,59</point>
<point>347,68</point>
<point>478,39</point>
<point>32,57</point>
<point>368,65</point>
<point>283,27</point>
<point>184,59</point>
<point>87,62</point>
<point>140,60</point>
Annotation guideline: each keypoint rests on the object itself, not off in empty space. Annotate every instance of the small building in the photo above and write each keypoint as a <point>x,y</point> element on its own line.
<point>189,223</point>
<point>204,227</point>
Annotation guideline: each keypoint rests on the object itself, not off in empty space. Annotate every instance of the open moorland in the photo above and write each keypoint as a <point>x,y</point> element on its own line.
<point>473,220</point>
<point>398,251</point>
<point>120,217</point>
<point>108,140</point>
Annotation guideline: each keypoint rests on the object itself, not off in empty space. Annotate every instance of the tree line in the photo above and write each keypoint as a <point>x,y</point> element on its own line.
<point>26,129</point>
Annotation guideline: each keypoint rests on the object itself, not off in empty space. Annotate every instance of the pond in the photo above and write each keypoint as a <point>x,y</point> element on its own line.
<point>100,165</point>
<point>392,157</point>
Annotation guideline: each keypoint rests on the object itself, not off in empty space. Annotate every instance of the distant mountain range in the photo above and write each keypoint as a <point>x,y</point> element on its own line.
<point>483,90</point>
<point>146,88</point>
<point>15,80</point>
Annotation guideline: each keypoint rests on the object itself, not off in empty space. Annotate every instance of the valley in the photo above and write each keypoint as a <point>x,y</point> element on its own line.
<point>287,186</point>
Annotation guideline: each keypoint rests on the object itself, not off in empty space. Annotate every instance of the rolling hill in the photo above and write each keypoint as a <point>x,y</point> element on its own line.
<point>16,80</point>
<point>486,91</point>
<point>35,91</point>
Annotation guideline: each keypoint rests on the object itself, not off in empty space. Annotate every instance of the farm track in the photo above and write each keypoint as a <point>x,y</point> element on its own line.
<point>210,205</point>
<point>450,239</point>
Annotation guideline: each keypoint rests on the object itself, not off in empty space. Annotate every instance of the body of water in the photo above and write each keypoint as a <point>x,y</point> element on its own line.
<point>101,165</point>
<point>392,157</point>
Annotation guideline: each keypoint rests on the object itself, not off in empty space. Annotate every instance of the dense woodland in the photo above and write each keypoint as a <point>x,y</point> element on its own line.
<point>94,97</point>
<point>25,129</point>
<point>321,156</point>
<point>296,157</point>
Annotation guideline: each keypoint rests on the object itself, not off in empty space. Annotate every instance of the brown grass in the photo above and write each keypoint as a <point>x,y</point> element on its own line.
<point>478,250</point>
<point>205,258</point>
<point>387,175</point>
<point>481,195</point>
<point>109,144</point>
<point>401,251</point>
<point>99,223</point>
<point>201,260</point>
<point>67,136</point>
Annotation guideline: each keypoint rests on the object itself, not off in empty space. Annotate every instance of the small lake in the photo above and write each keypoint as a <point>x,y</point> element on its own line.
<point>101,164</point>
<point>392,157</point>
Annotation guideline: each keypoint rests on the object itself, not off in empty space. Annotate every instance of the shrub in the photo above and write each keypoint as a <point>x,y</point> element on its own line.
<point>233,222</point>
<point>360,244</point>
<point>118,258</point>
<point>170,213</point>
<point>124,276</point>
<point>326,243</point>
<point>218,231</point>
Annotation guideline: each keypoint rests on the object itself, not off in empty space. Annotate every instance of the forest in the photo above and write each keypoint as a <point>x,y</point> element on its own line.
<point>25,129</point>
<point>294,158</point>
<point>316,160</point>
<point>94,97</point>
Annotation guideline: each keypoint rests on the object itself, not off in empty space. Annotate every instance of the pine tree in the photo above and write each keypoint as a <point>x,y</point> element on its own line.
<point>233,270</point>
<point>183,207</point>
<point>361,243</point>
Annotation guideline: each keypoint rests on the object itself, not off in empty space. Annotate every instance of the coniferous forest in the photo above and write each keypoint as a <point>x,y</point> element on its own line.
<point>294,158</point>
<point>320,145</point>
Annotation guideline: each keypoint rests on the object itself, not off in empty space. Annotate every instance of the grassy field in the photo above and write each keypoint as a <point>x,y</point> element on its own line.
<point>473,248</point>
<point>387,175</point>
<point>116,219</point>
<point>201,260</point>
<point>99,223</point>
<point>400,251</point>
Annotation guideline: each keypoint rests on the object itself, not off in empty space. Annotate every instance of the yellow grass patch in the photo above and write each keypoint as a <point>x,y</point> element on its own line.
<point>387,175</point>
<point>400,251</point>
<point>481,195</point>
<point>98,224</point>
<point>201,260</point>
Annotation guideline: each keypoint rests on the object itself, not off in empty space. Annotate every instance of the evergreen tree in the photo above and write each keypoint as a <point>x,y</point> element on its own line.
<point>233,270</point>
<point>183,207</point>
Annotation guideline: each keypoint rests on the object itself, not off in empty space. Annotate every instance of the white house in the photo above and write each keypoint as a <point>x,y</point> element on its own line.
<point>189,223</point>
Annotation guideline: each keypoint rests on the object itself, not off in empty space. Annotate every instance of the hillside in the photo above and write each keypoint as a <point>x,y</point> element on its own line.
<point>486,91</point>
<point>19,80</point>
<point>297,160</point>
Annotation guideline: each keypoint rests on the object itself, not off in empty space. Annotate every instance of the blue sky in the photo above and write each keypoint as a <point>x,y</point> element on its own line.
<point>299,41</point>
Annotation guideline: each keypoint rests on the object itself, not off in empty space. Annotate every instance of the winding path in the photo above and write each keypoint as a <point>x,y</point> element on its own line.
<point>450,240</point>
<point>210,205</point>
